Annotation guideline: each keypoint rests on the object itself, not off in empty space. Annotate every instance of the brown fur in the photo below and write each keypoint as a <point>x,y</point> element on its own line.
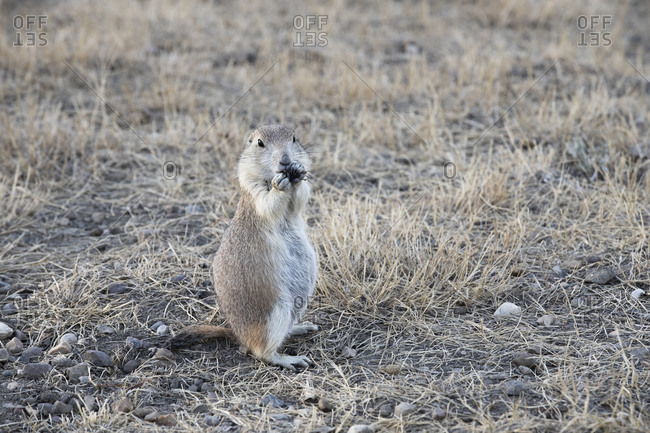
<point>197,333</point>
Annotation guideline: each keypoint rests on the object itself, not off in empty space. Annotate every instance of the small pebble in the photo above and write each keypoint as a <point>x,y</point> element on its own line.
<point>32,353</point>
<point>507,309</point>
<point>546,320</point>
<point>36,370</point>
<point>142,412</point>
<point>165,355</point>
<point>212,420</point>
<point>524,358</point>
<point>98,358</point>
<point>177,278</point>
<point>61,361</point>
<point>14,346</point>
<point>152,416</point>
<point>166,420</point>
<point>45,408</point>
<point>131,366</point>
<point>361,428</point>
<point>89,402</point>
<point>21,336</point>
<point>62,348</point>
<point>133,342</point>
<point>522,369</point>
<point>439,414</point>
<point>60,408</point>
<point>97,217</point>
<point>11,386</point>
<point>78,371</point>
<point>105,329</point>
<point>116,288</point>
<point>325,405</point>
<point>162,330</point>
<point>69,338</point>
<point>637,293</point>
<point>9,310</point>
<point>4,355</point>
<point>599,276</point>
<point>386,410</point>
<point>513,387</point>
<point>123,405</point>
<point>156,325</point>
<point>404,409</point>
<point>5,331</point>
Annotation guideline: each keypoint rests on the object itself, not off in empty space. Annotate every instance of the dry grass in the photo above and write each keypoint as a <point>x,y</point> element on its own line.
<point>550,146</point>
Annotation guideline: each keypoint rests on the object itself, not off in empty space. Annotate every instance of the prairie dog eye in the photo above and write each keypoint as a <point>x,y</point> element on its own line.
<point>294,138</point>
<point>260,143</point>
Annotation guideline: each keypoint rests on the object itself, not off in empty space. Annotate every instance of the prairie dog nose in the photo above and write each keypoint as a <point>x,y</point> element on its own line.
<point>285,160</point>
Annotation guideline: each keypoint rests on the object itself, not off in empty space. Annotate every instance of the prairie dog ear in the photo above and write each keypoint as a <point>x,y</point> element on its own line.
<point>250,138</point>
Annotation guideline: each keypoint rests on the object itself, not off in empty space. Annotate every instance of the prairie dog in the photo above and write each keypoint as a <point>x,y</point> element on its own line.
<point>264,272</point>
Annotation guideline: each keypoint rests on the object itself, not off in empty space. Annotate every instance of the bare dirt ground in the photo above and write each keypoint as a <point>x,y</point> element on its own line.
<point>466,154</point>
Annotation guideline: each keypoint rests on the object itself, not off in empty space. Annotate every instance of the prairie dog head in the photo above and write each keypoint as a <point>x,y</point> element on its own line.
<point>269,151</point>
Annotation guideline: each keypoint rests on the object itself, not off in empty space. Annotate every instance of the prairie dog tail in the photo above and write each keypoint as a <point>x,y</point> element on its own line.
<point>196,333</point>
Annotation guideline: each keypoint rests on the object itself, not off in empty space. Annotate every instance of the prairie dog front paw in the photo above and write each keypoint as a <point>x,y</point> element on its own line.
<point>296,172</point>
<point>281,182</point>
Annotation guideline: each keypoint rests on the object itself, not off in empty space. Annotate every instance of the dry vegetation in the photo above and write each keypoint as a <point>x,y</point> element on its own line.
<point>550,145</point>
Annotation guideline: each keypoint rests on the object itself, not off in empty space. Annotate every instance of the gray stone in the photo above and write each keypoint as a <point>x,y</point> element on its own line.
<point>212,420</point>
<point>152,416</point>
<point>513,387</point>
<point>32,353</point>
<point>36,370</point>
<point>439,414</point>
<point>9,310</point>
<point>60,408</point>
<point>131,366</point>
<point>98,358</point>
<point>599,276</point>
<point>74,373</point>
<point>522,369</point>
<point>143,411</point>
<point>404,409</point>
<point>123,405</point>
<point>524,358</point>
<point>116,288</point>
<point>62,348</point>
<point>105,329</point>
<point>155,326</point>
<point>361,428</point>
<point>14,346</point>
<point>5,331</point>
<point>45,408</point>
<point>4,355</point>
<point>386,410</point>
<point>507,309</point>
<point>69,338</point>
<point>133,342</point>
<point>325,404</point>
<point>162,330</point>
